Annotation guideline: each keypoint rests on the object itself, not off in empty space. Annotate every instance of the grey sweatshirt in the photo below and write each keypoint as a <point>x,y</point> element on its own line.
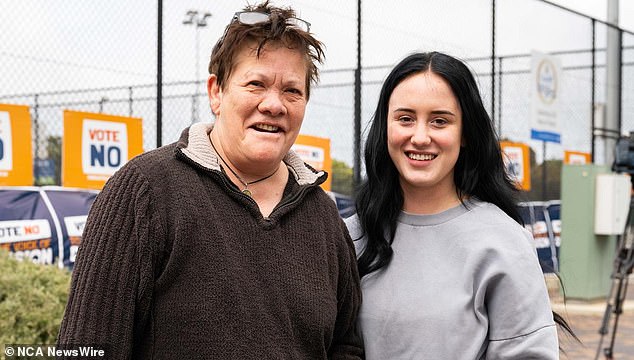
<point>462,284</point>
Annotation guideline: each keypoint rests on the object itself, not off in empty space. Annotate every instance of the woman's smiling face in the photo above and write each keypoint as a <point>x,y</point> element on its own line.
<point>261,106</point>
<point>424,133</point>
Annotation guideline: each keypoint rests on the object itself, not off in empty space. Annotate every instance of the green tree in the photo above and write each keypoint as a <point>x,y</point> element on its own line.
<point>341,177</point>
<point>552,189</point>
<point>54,151</point>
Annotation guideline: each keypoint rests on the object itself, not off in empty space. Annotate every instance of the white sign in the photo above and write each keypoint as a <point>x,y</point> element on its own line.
<point>75,224</point>
<point>24,230</point>
<point>309,153</point>
<point>6,145</point>
<point>74,228</point>
<point>577,159</point>
<point>514,162</point>
<point>104,147</point>
<point>545,94</point>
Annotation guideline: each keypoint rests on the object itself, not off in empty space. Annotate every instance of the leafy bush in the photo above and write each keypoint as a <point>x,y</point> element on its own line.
<point>32,301</point>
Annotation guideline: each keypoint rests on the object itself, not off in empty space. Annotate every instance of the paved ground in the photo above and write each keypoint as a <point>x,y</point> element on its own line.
<point>586,317</point>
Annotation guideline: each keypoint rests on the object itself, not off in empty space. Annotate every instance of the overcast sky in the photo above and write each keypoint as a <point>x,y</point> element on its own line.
<point>76,44</point>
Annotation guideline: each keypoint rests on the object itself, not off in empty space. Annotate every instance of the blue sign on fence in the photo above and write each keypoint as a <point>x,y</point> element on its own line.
<point>545,136</point>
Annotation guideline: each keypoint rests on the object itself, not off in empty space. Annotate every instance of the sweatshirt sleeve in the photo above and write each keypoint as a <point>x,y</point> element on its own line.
<point>347,343</point>
<point>521,324</point>
<point>112,279</point>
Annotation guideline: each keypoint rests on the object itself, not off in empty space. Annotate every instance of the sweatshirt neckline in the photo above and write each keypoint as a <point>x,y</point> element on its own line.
<point>441,217</point>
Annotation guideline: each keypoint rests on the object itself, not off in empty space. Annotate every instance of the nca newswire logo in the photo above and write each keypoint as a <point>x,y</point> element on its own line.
<point>36,351</point>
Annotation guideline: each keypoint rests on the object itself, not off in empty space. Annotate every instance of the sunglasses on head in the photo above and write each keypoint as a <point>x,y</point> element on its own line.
<point>254,17</point>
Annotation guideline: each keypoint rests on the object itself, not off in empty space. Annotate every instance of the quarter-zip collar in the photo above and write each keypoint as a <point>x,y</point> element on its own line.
<point>195,145</point>
<point>194,148</point>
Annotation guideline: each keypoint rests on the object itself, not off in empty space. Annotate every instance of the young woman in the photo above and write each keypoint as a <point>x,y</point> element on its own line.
<point>447,270</point>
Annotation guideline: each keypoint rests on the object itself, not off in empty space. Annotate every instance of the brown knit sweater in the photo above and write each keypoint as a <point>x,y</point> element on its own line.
<point>176,263</point>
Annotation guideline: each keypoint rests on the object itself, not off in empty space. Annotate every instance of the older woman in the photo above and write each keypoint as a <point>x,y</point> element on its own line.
<point>223,245</point>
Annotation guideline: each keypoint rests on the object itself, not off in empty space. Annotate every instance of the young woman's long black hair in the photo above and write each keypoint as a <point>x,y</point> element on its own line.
<point>479,170</point>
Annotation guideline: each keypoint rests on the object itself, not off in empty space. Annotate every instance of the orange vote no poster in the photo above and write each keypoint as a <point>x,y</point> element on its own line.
<point>516,161</point>
<point>96,146</point>
<point>576,157</point>
<point>315,151</point>
<point>16,158</point>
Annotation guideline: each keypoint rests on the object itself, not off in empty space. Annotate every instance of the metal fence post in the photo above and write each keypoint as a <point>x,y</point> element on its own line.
<point>593,96</point>
<point>159,76</point>
<point>356,175</point>
<point>499,98</point>
<point>493,60</point>
<point>130,99</point>
<point>36,126</point>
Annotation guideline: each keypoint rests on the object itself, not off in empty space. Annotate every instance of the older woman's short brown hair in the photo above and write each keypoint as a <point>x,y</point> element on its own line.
<point>277,30</point>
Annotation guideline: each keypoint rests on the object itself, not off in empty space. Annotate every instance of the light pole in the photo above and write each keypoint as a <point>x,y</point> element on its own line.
<point>198,20</point>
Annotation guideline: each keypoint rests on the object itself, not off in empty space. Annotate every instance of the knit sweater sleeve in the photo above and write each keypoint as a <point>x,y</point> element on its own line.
<point>347,342</point>
<point>110,293</point>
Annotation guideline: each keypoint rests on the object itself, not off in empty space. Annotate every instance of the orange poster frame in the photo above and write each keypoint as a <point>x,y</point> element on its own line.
<point>308,142</point>
<point>20,171</point>
<point>73,174</point>
<point>524,183</point>
<point>570,155</point>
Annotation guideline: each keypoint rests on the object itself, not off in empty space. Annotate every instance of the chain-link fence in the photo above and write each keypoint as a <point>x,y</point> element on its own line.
<point>582,50</point>
<point>102,57</point>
